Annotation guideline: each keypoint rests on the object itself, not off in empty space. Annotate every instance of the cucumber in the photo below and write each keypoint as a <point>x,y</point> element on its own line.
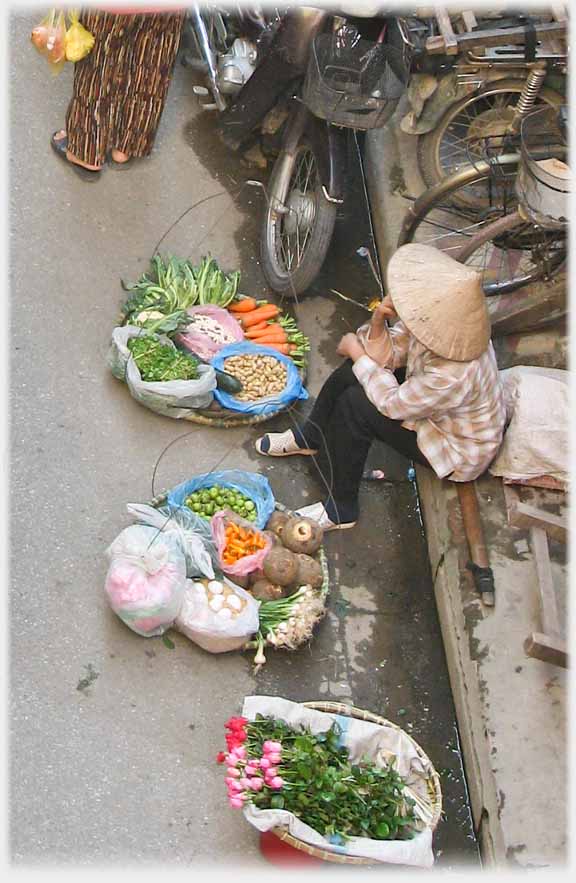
<point>227,383</point>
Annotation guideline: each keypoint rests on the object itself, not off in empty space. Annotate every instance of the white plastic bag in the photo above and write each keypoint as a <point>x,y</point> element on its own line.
<point>146,579</point>
<point>194,545</point>
<point>537,441</point>
<point>210,628</point>
<point>173,398</point>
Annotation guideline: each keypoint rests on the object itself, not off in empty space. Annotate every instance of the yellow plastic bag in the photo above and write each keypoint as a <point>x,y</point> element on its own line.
<point>79,41</point>
<point>49,39</point>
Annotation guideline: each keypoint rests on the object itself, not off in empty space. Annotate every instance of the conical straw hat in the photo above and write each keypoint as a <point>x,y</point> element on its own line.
<point>440,301</point>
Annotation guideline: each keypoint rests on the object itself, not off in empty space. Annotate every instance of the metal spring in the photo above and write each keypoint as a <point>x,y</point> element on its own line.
<point>530,91</point>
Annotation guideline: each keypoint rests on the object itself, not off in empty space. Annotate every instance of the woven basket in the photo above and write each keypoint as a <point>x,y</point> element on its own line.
<point>433,783</point>
<point>223,418</point>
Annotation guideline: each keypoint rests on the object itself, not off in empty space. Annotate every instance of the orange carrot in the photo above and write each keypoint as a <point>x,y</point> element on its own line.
<point>258,315</point>
<point>243,306</point>
<point>273,334</point>
<point>259,327</point>
<point>284,348</point>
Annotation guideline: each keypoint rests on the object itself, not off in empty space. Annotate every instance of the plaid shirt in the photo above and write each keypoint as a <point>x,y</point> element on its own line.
<point>456,408</point>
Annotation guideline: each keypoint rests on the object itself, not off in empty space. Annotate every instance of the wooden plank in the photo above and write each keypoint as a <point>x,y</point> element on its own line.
<point>495,37</point>
<point>547,649</point>
<point>534,306</point>
<point>469,20</point>
<point>448,35</point>
<point>529,517</point>
<point>548,607</point>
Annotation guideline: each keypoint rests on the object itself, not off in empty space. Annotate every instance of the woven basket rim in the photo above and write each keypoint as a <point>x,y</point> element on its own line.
<point>433,782</point>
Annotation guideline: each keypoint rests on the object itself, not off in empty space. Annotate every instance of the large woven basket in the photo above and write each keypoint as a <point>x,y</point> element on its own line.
<point>433,783</point>
<point>223,418</point>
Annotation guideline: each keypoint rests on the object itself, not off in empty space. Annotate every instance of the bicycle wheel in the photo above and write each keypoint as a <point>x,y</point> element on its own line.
<point>507,262</point>
<point>467,127</point>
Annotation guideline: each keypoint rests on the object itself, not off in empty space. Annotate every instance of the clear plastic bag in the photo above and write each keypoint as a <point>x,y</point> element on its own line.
<point>146,579</point>
<point>253,485</point>
<point>173,398</point>
<point>202,344</point>
<point>249,563</point>
<point>293,390</point>
<point>208,628</point>
<point>49,38</point>
<point>196,541</point>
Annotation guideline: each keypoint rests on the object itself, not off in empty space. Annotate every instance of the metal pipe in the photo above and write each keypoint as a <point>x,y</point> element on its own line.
<point>206,50</point>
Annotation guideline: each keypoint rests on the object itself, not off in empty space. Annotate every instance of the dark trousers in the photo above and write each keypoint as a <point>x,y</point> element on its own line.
<point>342,426</point>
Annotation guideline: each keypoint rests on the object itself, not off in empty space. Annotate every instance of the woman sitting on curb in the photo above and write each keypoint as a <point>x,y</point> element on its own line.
<point>448,414</point>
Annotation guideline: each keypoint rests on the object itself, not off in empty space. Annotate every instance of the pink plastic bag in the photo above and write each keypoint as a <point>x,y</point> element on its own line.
<point>249,563</point>
<point>146,579</point>
<point>202,343</point>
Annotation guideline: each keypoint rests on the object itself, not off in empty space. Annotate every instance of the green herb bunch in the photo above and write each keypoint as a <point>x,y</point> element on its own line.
<point>158,361</point>
<point>328,792</point>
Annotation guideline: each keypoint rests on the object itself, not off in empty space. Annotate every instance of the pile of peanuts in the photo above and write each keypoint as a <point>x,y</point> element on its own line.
<point>260,376</point>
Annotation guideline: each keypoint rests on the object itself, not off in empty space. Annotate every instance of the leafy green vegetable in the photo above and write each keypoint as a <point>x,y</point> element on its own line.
<point>157,361</point>
<point>326,791</point>
<point>173,285</point>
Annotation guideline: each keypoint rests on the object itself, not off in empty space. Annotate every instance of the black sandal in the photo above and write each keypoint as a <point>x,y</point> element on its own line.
<point>60,146</point>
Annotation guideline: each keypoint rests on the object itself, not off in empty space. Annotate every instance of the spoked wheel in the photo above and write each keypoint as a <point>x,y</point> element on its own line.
<point>507,261</point>
<point>296,233</point>
<point>469,128</point>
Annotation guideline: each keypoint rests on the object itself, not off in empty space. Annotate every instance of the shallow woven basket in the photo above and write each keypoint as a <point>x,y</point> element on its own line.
<point>222,418</point>
<point>433,783</point>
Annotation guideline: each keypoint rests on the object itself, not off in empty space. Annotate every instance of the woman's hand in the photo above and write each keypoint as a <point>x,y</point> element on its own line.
<point>350,347</point>
<point>381,314</point>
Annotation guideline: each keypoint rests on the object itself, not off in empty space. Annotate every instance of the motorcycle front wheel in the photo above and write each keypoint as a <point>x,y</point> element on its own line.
<point>296,233</point>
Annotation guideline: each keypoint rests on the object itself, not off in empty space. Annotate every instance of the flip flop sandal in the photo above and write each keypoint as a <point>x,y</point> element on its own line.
<point>60,146</point>
<point>282,444</point>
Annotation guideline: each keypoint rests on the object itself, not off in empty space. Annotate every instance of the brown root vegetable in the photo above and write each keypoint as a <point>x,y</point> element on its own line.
<point>273,537</point>
<point>280,566</point>
<point>302,535</point>
<point>242,580</point>
<point>276,523</point>
<point>309,572</point>
<point>256,575</point>
<point>264,590</point>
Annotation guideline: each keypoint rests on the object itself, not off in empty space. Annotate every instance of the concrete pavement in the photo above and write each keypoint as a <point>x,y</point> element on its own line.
<point>113,736</point>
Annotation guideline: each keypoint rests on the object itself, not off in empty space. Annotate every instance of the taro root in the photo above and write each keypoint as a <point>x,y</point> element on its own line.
<point>276,523</point>
<point>280,566</point>
<point>264,590</point>
<point>273,537</point>
<point>309,572</point>
<point>256,575</point>
<point>302,535</point>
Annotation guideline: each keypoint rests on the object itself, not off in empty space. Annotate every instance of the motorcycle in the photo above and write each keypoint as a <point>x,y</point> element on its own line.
<point>298,80</point>
<point>465,106</point>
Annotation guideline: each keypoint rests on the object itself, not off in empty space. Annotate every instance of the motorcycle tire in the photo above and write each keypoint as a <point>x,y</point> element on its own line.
<point>311,218</point>
<point>436,161</point>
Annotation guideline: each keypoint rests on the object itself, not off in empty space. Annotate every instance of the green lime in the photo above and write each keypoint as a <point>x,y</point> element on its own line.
<point>249,505</point>
<point>213,493</point>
